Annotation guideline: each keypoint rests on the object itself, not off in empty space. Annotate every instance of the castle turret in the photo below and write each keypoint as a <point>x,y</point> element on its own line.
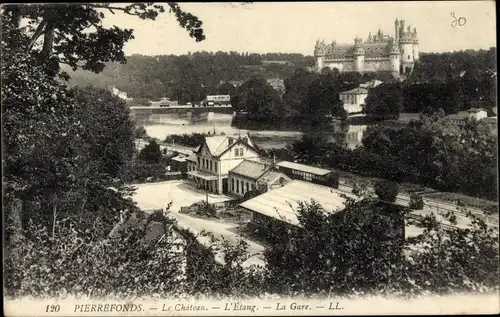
<point>396,30</point>
<point>406,47</point>
<point>319,53</point>
<point>394,56</point>
<point>359,55</point>
<point>415,44</point>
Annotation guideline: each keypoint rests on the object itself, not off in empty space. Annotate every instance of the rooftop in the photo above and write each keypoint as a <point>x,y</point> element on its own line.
<point>250,169</point>
<point>304,168</point>
<point>179,158</point>
<point>191,157</point>
<point>282,203</point>
<point>220,143</point>
<point>271,176</point>
<point>475,110</point>
<point>356,91</point>
<point>218,98</point>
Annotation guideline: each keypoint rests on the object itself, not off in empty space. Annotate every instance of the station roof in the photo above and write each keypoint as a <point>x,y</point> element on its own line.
<point>282,203</point>
<point>303,168</point>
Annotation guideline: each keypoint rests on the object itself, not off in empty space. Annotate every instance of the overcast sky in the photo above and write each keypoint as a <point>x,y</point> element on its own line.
<point>294,27</point>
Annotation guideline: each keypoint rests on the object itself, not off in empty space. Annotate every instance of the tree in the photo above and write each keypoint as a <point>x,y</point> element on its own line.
<point>108,131</point>
<point>416,202</point>
<point>322,101</point>
<point>360,250</point>
<point>386,190</point>
<point>334,252</point>
<point>226,89</point>
<point>261,102</point>
<point>151,152</point>
<point>383,102</point>
<point>69,30</point>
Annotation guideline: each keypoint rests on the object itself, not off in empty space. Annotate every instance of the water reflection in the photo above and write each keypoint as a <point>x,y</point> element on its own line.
<point>352,134</point>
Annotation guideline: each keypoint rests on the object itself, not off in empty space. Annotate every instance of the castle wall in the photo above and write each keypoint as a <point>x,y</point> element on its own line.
<point>377,65</point>
<point>342,66</point>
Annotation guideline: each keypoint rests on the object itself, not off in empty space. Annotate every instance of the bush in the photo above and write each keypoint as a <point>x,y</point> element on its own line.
<point>151,153</point>
<point>140,171</point>
<point>416,202</point>
<point>205,208</point>
<point>386,190</point>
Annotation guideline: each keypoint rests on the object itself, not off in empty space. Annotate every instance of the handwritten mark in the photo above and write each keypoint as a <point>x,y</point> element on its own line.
<point>457,21</point>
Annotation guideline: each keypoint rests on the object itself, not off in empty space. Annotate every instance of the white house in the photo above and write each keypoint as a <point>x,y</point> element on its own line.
<point>217,100</point>
<point>473,113</point>
<point>217,156</point>
<point>353,99</point>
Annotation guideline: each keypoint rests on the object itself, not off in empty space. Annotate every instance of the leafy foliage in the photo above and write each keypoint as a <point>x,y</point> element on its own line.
<point>416,202</point>
<point>81,262</point>
<point>258,99</point>
<point>433,152</point>
<point>386,190</point>
<point>384,102</point>
<point>188,78</point>
<point>191,140</point>
<point>69,30</point>
<point>151,153</point>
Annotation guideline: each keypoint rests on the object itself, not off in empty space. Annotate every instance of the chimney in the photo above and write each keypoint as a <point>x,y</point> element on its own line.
<point>245,139</point>
<point>230,140</point>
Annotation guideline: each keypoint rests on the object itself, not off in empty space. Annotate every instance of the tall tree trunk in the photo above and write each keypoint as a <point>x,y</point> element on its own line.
<point>37,34</point>
<point>48,40</point>
<point>16,216</point>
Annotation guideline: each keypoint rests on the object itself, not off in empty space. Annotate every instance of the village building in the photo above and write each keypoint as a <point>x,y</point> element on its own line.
<point>354,99</point>
<point>304,172</point>
<point>249,175</point>
<point>472,114</point>
<point>217,156</point>
<point>217,100</point>
<point>371,84</point>
<point>277,84</point>
<point>179,164</point>
<point>280,205</point>
<point>492,123</point>
<point>191,165</point>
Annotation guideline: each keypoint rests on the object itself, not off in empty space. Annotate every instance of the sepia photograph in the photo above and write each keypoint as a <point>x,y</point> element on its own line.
<point>250,158</point>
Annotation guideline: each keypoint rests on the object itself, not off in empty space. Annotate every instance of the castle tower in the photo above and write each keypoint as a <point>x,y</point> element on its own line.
<point>319,53</point>
<point>406,47</point>
<point>359,55</point>
<point>415,44</point>
<point>395,55</point>
<point>396,30</point>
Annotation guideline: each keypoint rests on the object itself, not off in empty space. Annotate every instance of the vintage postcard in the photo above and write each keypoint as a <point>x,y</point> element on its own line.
<point>250,158</point>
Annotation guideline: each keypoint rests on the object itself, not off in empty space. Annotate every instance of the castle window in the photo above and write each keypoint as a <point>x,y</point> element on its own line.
<point>408,56</point>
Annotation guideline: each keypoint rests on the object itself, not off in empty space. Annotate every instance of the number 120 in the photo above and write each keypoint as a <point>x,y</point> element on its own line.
<point>52,308</point>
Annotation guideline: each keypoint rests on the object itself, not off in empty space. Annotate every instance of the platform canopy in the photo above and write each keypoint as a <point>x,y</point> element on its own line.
<point>203,175</point>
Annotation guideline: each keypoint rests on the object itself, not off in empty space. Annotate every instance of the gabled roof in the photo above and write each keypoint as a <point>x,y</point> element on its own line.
<point>220,144</point>
<point>191,157</point>
<point>475,110</point>
<point>282,203</point>
<point>179,158</point>
<point>250,169</point>
<point>304,168</point>
<point>271,176</point>
<point>355,91</point>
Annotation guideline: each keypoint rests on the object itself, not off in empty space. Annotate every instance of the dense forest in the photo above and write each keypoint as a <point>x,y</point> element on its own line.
<point>448,81</point>
<point>188,77</point>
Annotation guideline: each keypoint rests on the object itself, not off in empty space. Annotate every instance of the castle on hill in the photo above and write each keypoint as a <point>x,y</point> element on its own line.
<point>379,52</point>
